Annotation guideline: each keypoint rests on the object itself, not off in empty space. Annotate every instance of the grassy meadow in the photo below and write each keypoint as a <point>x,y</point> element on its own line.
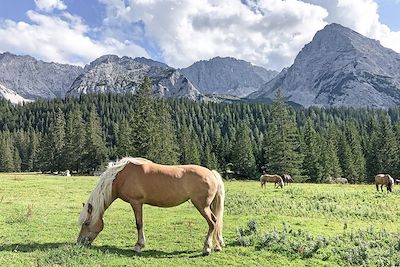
<point>301,225</point>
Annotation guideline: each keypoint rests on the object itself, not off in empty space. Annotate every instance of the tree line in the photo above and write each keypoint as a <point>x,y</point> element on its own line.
<point>82,134</point>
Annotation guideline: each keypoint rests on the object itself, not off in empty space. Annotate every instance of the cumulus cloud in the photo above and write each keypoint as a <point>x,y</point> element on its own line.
<point>62,38</point>
<point>266,32</point>
<point>50,5</point>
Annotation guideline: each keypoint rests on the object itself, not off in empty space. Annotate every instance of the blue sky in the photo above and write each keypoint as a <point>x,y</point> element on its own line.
<point>269,33</point>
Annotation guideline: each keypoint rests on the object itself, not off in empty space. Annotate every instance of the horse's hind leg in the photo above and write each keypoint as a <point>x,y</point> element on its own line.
<point>377,187</point>
<point>206,212</point>
<point>138,210</point>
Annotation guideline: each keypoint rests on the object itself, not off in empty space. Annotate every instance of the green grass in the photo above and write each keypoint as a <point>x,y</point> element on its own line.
<point>301,225</point>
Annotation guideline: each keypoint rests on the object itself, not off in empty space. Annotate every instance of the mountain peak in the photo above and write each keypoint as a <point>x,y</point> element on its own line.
<point>340,67</point>
<point>227,75</point>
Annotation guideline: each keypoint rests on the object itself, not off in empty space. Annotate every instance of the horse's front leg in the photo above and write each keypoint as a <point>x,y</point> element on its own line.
<point>138,210</point>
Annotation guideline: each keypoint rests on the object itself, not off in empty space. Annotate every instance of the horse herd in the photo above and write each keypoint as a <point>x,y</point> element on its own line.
<point>139,181</point>
<point>280,181</point>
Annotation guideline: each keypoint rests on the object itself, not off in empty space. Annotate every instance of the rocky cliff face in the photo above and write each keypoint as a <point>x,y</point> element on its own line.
<point>111,73</point>
<point>227,76</point>
<point>12,96</point>
<point>33,79</point>
<point>340,67</point>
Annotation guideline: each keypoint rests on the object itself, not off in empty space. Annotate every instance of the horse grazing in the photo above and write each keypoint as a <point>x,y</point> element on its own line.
<point>139,181</point>
<point>340,181</point>
<point>271,178</point>
<point>384,179</point>
<point>287,179</point>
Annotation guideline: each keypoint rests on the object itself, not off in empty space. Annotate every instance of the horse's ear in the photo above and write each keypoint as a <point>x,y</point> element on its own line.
<point>83,204</point>
<point>89,208</point>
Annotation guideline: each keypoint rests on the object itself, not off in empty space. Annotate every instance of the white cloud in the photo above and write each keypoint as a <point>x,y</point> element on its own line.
<point>61,39</point>
<point>50,5</point>
<point>268,32</point>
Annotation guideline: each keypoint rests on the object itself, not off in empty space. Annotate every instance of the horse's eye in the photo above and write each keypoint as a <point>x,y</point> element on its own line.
<point>86,223</point>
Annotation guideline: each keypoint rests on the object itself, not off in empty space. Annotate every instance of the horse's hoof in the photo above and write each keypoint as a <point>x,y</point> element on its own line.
<point>206,251</point>
<point>138,248</point>
<point>217,248</point>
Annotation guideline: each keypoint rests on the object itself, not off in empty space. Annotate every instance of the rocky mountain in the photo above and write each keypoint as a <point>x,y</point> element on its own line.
<point>12,96</point>
<point>111,73</point>
<point>33,79</point>
<point>339,67</point>
<point>227,76</point>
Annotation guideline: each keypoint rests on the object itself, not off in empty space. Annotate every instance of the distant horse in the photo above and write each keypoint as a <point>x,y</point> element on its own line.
<point>397,181</point>
<point>384,179</point>
<point>331,180</point>
<point>139,181</point>
<point>287,179</point>
<point>271,178</point>
<point>340,181</point>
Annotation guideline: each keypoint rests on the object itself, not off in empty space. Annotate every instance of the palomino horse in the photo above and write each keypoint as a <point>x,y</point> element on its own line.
<point>271,178</point>
<point>384,179</point>
<point>287,179</point>
<point>139,181</point>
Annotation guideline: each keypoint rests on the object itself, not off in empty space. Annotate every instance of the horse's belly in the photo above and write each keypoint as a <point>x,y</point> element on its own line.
<point>166,202</point>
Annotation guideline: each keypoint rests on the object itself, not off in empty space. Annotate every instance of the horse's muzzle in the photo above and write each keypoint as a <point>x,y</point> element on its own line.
<point>84,241</point>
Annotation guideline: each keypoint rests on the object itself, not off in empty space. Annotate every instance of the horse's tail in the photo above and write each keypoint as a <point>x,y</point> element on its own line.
<point>217,207</point>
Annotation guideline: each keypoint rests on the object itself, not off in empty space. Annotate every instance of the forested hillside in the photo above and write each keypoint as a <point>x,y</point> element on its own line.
<point>83,134</point>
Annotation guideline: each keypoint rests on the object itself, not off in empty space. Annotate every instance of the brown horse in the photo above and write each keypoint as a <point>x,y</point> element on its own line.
<point>139,181</point>
<point>287,179</point>
<point>271,178</point>
<point>384,179</point>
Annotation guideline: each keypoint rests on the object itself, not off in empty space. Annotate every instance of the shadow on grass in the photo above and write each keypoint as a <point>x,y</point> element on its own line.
<point>151,253</point>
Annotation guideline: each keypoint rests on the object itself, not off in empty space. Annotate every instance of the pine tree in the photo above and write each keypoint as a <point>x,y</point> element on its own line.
<point>144,120</point>
<point>124,145</point>
<point>311,164</point>
<point>164,147</point>
<point>95,147</point>
<point>57,142</point>
<point>330,161</point>
<point>189,146</point>
<point>6,153</point>
<point>75,141</point>
<point>387,148</point>
<point>373,166</point>
<point>244,162</point>
<point>281,143</point>
<point>33,151</point>
<point>16,160</point>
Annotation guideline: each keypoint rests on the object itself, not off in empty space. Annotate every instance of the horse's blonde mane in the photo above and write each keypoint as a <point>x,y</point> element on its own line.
<point>100,197</point>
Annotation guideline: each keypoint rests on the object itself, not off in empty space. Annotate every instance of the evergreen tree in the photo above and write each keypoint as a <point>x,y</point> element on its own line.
<point>330,161</point>
<point>144,120</point>
<point>95,148</point>
<point>16,160</point>
<point>6,153</point>
<point>281,143</point>
<point>164,147</point>
<point>33,151</point>
<point>244,162</point>
<point>124,145</point>
<point>311,164</point>
<point>387,148</point>
<point>209,158</point>
<point>75,141</point>
<point>373,166</point>
<point>57,142</point>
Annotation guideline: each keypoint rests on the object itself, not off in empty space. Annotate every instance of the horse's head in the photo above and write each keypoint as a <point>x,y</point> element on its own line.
<point>90,227</point>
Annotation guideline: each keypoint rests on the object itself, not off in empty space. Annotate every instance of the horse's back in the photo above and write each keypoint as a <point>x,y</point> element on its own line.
<point>380,179</point>
<point>167,185</point>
